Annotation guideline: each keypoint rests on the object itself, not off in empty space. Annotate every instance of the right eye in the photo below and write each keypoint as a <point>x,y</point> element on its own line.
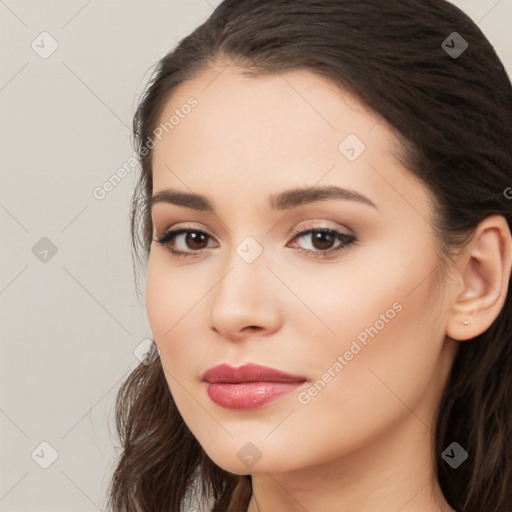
<point>184,238</point>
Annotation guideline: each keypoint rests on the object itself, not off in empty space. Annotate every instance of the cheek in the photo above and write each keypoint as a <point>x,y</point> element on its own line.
<point>170,294</point>
<point>384,353</point>
<point>376,384</point>
<point>347,298</point>
<point>156,295</point>
<point>175,299</point>
<point>166,312</point>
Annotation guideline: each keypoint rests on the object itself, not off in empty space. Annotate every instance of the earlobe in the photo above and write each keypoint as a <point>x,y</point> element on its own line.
<point>484,271</point>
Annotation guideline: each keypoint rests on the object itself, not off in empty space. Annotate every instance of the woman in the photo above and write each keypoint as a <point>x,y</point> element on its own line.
<point>325,208</point>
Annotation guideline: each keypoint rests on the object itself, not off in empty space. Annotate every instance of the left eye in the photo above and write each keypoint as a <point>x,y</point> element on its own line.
<point>323,239</point>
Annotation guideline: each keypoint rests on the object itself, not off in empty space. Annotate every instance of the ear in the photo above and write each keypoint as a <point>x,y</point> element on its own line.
<point>482,280</point>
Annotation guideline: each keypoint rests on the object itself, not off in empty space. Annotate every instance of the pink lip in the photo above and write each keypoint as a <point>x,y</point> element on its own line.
<point>248,386</point>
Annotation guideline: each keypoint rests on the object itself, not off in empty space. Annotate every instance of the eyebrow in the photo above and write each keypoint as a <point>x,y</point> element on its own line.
<point>281,201</point>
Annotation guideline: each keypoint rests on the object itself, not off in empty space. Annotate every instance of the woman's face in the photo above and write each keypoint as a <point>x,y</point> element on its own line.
<point>354,315</point>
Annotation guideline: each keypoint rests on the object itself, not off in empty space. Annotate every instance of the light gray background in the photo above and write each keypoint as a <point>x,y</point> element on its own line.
<point>69,325</point>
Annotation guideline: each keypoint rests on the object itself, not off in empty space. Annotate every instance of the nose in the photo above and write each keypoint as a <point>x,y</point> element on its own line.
<point>245,301</point>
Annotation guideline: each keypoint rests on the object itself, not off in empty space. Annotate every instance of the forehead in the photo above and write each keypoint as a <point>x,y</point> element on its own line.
<point>254,132</point>
<point>234,97</point>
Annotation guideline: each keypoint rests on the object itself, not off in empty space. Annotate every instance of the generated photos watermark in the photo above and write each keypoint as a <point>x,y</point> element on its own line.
<point>356,346</point>
<point>101,191</point>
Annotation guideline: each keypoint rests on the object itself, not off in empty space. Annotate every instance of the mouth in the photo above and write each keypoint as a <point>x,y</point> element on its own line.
<point>249,386</point>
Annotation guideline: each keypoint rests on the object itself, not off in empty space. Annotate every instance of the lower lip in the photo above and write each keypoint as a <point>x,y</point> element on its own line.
<point>249,395</point>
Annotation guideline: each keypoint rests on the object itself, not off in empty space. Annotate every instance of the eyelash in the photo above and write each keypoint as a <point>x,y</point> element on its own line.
<point>347,240</point>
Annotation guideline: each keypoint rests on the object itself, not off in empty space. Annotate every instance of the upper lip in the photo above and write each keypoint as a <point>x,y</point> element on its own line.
<point>248,373</point>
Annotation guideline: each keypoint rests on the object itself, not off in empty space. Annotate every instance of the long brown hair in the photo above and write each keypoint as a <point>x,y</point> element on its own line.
<point>454,117</point>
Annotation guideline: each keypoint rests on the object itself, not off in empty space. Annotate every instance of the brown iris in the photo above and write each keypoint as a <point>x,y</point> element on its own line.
<point>322,240</point>
<point>194,240</point>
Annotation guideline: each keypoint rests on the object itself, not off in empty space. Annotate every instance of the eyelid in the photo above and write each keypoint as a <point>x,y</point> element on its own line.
<point>318,224</point>
<point>293,232</point>
<point>179,226</point>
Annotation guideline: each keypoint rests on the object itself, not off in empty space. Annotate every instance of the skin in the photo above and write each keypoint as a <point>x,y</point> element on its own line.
<point>364,441</point>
